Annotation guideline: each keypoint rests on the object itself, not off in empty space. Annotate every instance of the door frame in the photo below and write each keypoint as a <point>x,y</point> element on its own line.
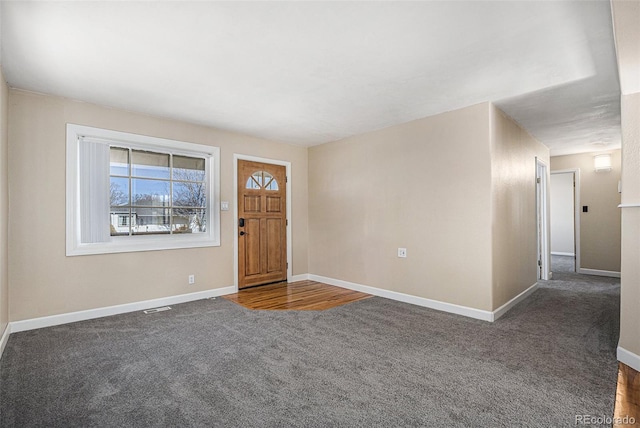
<point>576,209</point>
<point>238,157</point>
<point>542,220</point>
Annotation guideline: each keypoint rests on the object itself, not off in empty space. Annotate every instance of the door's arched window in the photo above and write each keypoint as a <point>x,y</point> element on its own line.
<point>262,180</point>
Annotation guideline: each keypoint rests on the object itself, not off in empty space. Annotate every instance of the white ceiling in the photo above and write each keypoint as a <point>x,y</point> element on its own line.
<point>312,72</point>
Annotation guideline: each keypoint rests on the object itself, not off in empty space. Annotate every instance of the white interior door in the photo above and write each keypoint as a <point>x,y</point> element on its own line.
<point>542,214</point>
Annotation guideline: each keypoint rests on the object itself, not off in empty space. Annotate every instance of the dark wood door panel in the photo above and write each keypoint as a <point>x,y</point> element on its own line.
<point>253,265</point>
<point>274,244</point>
<point>273,204</point>
<point>252,204</point>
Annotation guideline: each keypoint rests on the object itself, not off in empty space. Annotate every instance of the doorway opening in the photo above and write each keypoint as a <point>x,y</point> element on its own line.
<point>565,220</point>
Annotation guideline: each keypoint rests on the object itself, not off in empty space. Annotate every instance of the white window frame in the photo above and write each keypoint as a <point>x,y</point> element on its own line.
<point>123,244</point>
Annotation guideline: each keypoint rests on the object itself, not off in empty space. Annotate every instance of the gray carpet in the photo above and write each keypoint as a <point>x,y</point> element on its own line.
<point>374,362</point>
<point>565,264</point>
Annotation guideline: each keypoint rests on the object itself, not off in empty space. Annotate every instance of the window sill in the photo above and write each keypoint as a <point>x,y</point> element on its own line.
<point>141,243</point>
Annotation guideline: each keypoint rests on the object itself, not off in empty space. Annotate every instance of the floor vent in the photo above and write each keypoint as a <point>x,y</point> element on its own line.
<point>154,310</point>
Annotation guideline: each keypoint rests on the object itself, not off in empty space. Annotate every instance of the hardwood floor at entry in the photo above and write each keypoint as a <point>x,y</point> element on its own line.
<point>627,396</point>
<point>302,295</point>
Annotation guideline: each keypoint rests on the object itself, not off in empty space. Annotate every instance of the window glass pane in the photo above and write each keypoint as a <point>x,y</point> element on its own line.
<point>147,221</point>
<point>189,220</point>
<point>149,164</point>
<point>252,184</point>
<point>149,192</point>
<point>120,220</point>
<point>188,168</point>
<point>257,176</point>
<point>189,194</point>
<point>119,191</point>
<point>270,183</point>
<point>119,162</point>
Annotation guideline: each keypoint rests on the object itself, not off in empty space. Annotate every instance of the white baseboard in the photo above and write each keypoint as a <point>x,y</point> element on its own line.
<point>597,272</point>
<point>302,277</point>
<point>629,358</point>
<point>34,323</point>
<point>559,253</point>
<point>407,298</point>
<point>511,303</point>
<point>4,339</point>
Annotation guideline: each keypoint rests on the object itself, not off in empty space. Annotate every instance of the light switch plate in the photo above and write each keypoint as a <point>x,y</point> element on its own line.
<point>402,252</point>
<point>224,206</point>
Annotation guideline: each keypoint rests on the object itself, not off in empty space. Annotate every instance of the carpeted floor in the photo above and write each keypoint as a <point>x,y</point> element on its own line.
<point>374,362</point>
<point>564,264</point>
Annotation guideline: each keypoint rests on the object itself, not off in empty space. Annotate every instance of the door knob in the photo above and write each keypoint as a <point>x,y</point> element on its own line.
<point>242,233</point>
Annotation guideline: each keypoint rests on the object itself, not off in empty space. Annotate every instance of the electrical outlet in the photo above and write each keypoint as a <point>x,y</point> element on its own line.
<point>402,252</point>
<point>192,279</point>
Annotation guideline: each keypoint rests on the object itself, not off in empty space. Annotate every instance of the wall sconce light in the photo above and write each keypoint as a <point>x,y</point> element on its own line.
<point>602,162</point>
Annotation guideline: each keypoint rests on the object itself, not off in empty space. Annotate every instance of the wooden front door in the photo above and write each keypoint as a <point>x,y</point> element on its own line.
<point>262,223</point>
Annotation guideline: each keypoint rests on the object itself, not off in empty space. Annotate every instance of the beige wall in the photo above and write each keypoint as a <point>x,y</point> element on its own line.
<point>4,212</point>
<point>626,17</point>
<point>600,227</point>
<point>43,281</point>
<point>514,232</point>
<point>423,185</point>
<point>456,189</point>
<point>630,286</point>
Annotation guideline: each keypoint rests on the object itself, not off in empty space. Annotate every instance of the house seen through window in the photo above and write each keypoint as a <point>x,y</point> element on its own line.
<point>156,193</point>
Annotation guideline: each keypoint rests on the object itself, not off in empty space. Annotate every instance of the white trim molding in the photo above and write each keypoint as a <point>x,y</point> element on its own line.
<point>629,206</point>
<point>558,253</point>
<point>296,278</point>
<point>629,358</point>
<point>407,298</point>
<point>452,308</point>
<point>543,228</point>
<point>511,303</point>
<point>53,320</point>
<point>5,338</point>
<point>598,272</point>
